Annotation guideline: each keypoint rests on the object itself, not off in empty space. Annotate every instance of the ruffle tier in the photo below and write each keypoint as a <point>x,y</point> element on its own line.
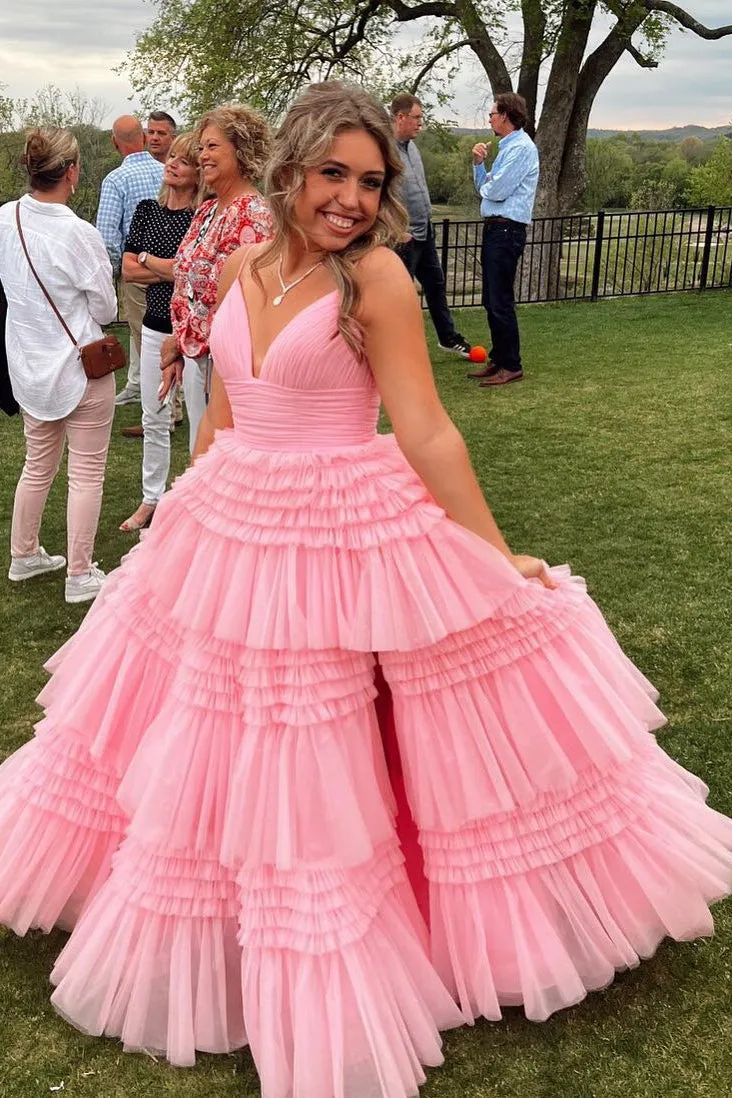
<point>154,959</point>
<point>305,551</point>
<point>60,824</point>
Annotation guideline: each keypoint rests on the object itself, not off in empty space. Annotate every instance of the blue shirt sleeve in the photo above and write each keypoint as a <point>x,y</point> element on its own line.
<point>479,175</point>
<point>508,171</point>
<point>109,220</point>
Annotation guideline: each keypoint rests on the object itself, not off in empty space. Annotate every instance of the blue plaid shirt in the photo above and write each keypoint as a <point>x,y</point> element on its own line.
<point>509,188</point>
<point>138,176</point>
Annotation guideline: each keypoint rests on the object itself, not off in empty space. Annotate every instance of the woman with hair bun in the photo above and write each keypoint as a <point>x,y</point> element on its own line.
<point>59,403</point>
<point>298,862</point>
<point>234,145</point>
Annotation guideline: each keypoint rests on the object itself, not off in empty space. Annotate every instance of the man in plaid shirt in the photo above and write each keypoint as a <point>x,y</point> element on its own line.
<point>138,176</point>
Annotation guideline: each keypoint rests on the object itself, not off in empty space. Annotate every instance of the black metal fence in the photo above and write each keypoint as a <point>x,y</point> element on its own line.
<point>591,256</point>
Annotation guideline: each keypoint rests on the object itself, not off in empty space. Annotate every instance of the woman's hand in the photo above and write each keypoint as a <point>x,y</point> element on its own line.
<point>169,351</point>
<point>532,568</point>
<point>169,375</point>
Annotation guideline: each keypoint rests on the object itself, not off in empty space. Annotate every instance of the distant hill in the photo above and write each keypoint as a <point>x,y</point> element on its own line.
<point>676,133</point>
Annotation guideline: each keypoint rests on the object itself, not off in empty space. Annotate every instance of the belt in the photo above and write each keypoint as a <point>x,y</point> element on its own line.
<point>496,219</point>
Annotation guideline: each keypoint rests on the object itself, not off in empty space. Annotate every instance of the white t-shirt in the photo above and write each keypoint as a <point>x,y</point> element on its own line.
<point>71,260</point>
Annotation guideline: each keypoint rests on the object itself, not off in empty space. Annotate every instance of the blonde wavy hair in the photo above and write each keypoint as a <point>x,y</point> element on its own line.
<point>248,132</point>
<point>187,146</point>
<point>303,141</point>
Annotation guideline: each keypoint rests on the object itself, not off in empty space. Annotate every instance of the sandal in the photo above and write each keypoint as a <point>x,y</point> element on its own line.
<point>140,520</point>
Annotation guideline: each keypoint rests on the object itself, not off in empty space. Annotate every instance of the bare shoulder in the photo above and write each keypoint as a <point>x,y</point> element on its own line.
<point>384,282</point>
<point>229,272</point>
<point>378,264</point>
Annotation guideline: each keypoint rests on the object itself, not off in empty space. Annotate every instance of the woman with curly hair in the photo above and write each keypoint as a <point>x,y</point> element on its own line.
<point>234,145</point>
<point>298,862</point>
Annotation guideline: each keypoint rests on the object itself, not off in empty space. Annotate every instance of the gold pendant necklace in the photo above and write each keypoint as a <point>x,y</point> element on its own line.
<point>285,288</point>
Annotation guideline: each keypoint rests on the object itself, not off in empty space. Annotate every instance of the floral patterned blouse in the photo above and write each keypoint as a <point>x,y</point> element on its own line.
<point>198,262</point>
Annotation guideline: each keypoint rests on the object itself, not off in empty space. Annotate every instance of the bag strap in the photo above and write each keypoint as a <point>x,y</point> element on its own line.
<point>48,297</point>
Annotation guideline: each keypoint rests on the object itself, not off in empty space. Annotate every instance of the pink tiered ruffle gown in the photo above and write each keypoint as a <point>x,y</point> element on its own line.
<point>208,802</point>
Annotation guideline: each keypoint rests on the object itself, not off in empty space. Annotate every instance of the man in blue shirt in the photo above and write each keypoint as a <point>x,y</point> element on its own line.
<point>138,176</point>
<point>507,194</point>
<point>418,251</point>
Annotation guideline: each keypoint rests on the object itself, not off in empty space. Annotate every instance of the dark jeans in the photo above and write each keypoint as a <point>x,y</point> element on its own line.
<point>421,260</point>
<point>503,243</point>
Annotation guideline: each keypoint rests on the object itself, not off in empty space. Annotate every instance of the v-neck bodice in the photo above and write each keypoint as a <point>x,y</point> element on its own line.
<point>312,391</point>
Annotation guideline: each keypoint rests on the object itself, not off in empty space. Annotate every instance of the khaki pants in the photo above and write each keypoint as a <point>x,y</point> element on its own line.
<point>87,430</point>
<point>134,303</point>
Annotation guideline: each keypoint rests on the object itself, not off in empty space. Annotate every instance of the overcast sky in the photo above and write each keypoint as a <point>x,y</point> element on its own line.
<point>78,42</point>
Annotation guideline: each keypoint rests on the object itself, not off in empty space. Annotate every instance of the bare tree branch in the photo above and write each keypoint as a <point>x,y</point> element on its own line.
<point>686,20</point>
<point>483,46</point>
<point>405,13</point>
<point>444,52</point>
<point>639,58</point>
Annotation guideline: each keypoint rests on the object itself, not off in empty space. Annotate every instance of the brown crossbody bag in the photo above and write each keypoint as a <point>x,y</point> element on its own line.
<point>99,358</point>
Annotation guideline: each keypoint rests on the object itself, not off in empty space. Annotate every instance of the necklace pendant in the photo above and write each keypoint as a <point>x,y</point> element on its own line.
<point>277,300</point>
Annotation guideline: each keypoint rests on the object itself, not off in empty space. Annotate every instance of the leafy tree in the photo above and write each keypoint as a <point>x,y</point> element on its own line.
<point>710,184</point>
<point>207,51</point>
<point>609,174</point>
<point>694,150</point>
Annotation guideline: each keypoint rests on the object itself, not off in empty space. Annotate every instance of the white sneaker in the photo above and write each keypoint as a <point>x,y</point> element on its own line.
<point>127,396</point>
<point>85,587</point>
<point>25,568</point>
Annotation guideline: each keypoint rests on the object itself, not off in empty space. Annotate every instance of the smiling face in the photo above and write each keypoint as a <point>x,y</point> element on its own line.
<point>218,159</point>
<point>341,195</point>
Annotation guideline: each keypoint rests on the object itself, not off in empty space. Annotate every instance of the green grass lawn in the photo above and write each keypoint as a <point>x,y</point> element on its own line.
<point>614,455</point>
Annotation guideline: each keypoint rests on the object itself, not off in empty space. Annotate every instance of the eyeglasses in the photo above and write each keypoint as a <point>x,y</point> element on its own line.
<point>491,113</point>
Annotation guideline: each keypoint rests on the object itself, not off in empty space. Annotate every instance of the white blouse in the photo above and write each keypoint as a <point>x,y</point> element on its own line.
<point>71,260</point>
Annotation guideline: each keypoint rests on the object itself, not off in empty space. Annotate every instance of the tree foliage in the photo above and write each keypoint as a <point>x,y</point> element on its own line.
<point>711,183</point>
<point>208,51</point>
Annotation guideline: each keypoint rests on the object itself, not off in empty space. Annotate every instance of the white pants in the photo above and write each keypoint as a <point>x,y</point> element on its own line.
<point>155,424</point>
<point>194,390</point>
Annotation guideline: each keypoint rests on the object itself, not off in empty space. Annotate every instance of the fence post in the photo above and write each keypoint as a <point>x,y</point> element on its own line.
<point>595,290</point>
<point>708,233</point>
<point>445,244</point>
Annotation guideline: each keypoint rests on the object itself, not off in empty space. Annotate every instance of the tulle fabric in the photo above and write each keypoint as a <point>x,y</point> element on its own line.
<point>210,798</point>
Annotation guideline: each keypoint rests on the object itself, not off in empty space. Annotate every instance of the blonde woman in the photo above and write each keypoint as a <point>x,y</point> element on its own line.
<point>268,887</point>
<point>156,232</point>
<point>60,404</point>
<point>234,144</point>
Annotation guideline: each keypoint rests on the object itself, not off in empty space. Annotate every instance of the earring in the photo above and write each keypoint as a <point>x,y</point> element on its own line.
<point>73,189</point>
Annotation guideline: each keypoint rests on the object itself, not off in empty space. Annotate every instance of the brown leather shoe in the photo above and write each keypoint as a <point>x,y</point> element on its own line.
<point>133,432</point>
<point>488,370</point>
<point>502,377</point>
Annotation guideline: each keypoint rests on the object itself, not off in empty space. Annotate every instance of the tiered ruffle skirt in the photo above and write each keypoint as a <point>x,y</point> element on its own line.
<point>207,799</point>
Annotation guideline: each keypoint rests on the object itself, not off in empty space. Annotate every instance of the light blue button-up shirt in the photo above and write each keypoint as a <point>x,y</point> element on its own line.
<point>508,190</point>
<point>138,176</point>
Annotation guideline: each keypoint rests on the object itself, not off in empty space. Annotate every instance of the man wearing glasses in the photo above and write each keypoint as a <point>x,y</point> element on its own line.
<point>507,194</point>
<point>418,252</point>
